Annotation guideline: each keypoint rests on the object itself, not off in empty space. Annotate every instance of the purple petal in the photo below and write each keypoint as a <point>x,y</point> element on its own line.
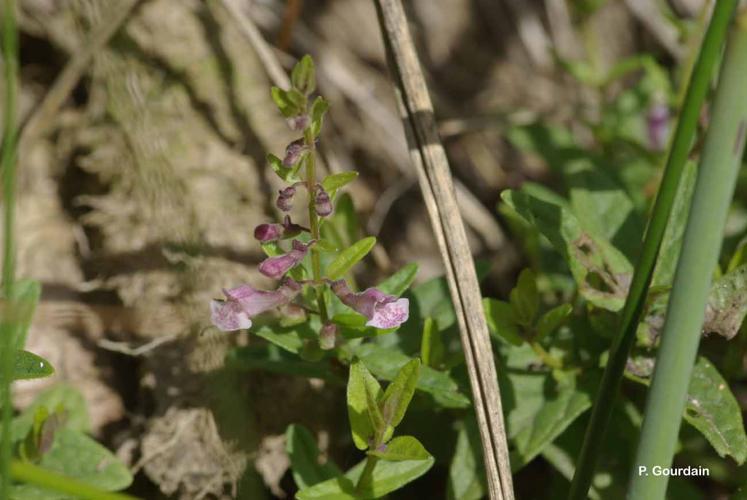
<point>228,316</point>
<point>285,198</point>
<point>390,314</point>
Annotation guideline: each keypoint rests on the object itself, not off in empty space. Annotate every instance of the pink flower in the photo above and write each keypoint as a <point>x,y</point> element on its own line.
<point>244,301</point>
<point>276,267</point>
<point>382,310</point>
<point>658,126</point>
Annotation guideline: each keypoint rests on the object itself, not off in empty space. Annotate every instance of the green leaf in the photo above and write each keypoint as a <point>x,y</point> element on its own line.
<point>431,346</point>
<point>325,245</point>
<point>399,282</point>
<point>382,430</point>
<point>552,320</point>
<point>466,476</point>
<point>387,477</point>
<point>402,448</point>
<point>342,227</point>
<point>318,109</point>
<point>288,174</point>
<point>544,410</point>
<point>30,366</point>
<point>333,182</point>
<point>273,359</point>
<point>547,424</point>
<point>286,101</point>
<point>399,393</point>
<point>360,382</point>
<point>385,364</point>
<point>304,458</point>
<point>303,76</point>
<point>601,272</point>
<point>727,304</point>
<point>501,322</point>
<point>602,206</point>
<point>525,298</point>
<point>672,241</point>
<point>713,410</point>
<point>78,456</point>
<point>289,338</point>
<point>59,396</point>
<point>349,257</point>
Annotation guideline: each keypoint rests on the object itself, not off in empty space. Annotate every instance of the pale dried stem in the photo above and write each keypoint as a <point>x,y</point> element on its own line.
<point>430,161</point>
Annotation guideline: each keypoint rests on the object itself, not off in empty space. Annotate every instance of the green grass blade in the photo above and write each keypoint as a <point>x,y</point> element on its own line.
<point>8,164</point>
<point>680,147</point>
<point>714,188</point>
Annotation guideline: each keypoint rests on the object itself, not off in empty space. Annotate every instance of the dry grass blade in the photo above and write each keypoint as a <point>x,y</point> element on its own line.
<point>430,161</point>
<point>40,119</point>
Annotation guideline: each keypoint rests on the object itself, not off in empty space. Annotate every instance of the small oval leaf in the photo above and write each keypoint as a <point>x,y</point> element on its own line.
<point>349,257</point>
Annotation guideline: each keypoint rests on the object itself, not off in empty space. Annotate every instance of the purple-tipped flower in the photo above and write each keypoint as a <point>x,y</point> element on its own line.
<point>658,126</point>
<point>285,198</point>
<point>293,152</point>
<point>268,232</point>
<point>276,267</point>
<point>298,123</point>
<point>382,310</point>
<point>322,203</point>
<point>244,301</point>
<point>328,336</point>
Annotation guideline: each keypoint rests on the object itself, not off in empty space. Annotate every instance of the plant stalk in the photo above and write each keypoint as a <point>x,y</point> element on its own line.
<point>714,189</point>
<point>366,477</point>
<point>644,270</point>
<point>8,165</point>
<point>316,267</point>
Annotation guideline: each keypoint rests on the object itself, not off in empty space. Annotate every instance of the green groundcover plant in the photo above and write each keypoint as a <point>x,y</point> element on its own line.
<point>394,350</point>
<point>552,334</point>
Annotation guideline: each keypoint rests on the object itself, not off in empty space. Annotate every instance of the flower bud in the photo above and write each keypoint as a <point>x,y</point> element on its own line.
<point>298,123</point>
<point>293,152</point>
<point>322,203</point>
<point>285,198</point>
<point>328,336</point>
<point>276,267</point>
<point>268,232</point>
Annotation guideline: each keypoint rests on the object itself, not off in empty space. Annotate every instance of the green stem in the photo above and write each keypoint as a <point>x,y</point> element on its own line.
<point>366,477</point>
<point>32,474</point>
<point>714,188</point>
<point>8,165</point>
<point>316,266</point>
<point>545,356</point>
<point>680,147</point>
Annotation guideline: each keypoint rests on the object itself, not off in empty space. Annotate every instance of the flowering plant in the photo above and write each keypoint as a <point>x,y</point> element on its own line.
<point>319,309</point>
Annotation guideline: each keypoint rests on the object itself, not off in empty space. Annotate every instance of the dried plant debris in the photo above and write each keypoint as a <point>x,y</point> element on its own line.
<point>727,304</point>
